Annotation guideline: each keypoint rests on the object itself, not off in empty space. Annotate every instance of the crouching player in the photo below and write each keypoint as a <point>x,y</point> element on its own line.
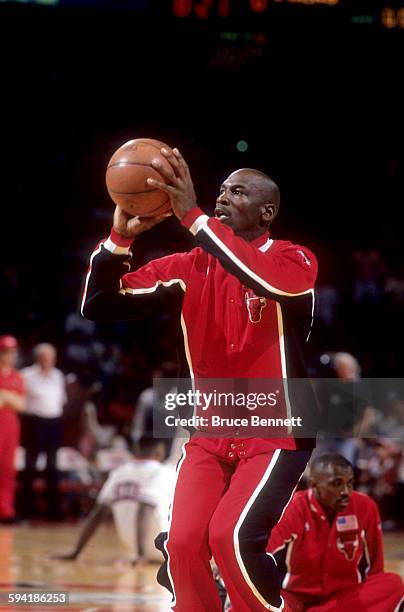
<point>328,547</point>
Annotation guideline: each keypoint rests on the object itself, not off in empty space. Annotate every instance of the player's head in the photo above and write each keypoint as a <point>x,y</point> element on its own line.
<point>332,480</point>
<point>248,202</point>
<point>8,351</point>
<point>150,448</point>
<point>45,355</point>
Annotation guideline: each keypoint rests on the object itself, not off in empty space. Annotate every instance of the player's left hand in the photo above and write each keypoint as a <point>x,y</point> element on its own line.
<point>180,187</point>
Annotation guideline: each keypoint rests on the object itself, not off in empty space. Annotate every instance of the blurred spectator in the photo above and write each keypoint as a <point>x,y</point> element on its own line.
<point>150,411</point>
<point>46,396</point>
<point>75,322</point>
<point>327,302</point>
<point>394,287</point>
<point>12,400</point>
<point>390,422</point>
<point>347,412</point>
<point>370,270</point>
<point>103,434</point>
<point>379,462</point>
<point>76,433</point>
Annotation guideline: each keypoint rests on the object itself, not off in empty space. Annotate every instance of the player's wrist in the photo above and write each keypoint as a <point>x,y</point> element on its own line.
<point>117,243</point>
<point>120,239</point>
<point>190,216</point>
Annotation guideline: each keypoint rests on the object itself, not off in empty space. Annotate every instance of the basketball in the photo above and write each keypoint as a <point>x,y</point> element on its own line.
<point>127,174</point>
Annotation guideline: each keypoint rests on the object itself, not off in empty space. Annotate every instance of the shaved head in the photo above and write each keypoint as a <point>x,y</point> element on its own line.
<point>268,188</point>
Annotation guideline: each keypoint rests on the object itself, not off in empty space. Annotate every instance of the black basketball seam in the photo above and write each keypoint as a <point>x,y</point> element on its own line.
<point>128,163</point>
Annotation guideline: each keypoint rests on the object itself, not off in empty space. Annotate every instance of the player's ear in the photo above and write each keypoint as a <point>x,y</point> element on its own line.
<point>268,213</point>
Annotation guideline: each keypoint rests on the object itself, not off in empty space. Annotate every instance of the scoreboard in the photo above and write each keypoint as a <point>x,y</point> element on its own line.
<point>388,14</point>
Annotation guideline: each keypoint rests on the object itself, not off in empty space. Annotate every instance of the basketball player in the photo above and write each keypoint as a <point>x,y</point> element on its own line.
<point>245,303</point>
<point>328,546</point>
<point>139,494</point>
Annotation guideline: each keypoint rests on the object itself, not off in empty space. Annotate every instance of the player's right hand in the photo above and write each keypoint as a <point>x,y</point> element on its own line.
<point>129,226</point>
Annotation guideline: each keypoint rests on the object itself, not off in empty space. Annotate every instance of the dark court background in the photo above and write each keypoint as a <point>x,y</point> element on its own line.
<point>312,91</point>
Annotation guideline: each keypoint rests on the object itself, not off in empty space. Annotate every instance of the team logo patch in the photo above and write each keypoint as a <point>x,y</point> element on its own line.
<point>305,258</point>
<point>255,305</point>
<point>348,535</point>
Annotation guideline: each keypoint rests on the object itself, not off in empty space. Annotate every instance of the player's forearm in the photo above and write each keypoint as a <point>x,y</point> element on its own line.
<point>12,400</point>
<point>108,264</point>
<point>93,520</point>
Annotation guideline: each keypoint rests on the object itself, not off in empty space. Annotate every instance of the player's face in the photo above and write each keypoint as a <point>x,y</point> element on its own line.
<point>240,203</point>
<point>333,487</point>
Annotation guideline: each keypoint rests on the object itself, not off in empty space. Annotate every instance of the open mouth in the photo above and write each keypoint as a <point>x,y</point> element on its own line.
<point>221,213</point>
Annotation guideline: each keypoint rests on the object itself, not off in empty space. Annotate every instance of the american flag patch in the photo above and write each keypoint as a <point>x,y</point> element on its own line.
<point>347,523</point>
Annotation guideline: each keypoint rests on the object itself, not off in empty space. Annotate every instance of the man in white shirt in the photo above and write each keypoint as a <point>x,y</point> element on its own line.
<point>139,495</point>
<point>46,396</point>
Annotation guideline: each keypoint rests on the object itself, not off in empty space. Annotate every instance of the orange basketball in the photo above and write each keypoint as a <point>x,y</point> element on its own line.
<point>127,174</point>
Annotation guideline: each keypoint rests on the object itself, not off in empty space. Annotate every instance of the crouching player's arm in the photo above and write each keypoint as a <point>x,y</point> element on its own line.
<point>96,516</point>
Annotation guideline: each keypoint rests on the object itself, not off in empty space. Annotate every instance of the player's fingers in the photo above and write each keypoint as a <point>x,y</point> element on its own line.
<point>169,155</point>
<point>181,162</point>
<point>167,173</point>
<point>179,158</point>
<point>160,185</point>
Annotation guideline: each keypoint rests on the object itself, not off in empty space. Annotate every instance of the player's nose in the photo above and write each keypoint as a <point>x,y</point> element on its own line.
<point>223,198</point>
<point>344,491</point>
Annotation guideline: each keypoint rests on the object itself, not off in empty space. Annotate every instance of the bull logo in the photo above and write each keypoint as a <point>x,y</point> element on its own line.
<point>347,540</point>
<point>255,305</point>
<point>348,545</point>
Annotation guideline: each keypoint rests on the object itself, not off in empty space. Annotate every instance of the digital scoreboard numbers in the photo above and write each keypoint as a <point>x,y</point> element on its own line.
<point>227,8</point>
<point>365,13</point>
<point>389,14</point>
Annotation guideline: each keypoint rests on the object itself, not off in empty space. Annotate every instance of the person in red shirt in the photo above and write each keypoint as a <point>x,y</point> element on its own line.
<point>12,397</point>
<point>328,546</point>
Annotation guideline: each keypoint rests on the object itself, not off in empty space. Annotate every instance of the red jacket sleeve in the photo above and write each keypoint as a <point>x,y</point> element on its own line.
<point>112,294</point>
<point>284,270</point>
<point>374,539</point>
<point>166,271</point>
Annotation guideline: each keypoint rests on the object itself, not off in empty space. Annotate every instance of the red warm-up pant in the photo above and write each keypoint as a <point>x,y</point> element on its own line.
<point>226,509</point>
<point>9,440</point>
<point>382,592</point>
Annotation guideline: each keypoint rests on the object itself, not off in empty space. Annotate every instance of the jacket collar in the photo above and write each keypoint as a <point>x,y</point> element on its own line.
<point>263,242</point>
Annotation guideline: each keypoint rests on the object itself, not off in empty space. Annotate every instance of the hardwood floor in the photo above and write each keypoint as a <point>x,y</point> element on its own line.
<point>99,581</point>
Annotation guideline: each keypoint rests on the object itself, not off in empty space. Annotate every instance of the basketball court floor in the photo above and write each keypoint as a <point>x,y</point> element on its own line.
<point>100,580</point>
